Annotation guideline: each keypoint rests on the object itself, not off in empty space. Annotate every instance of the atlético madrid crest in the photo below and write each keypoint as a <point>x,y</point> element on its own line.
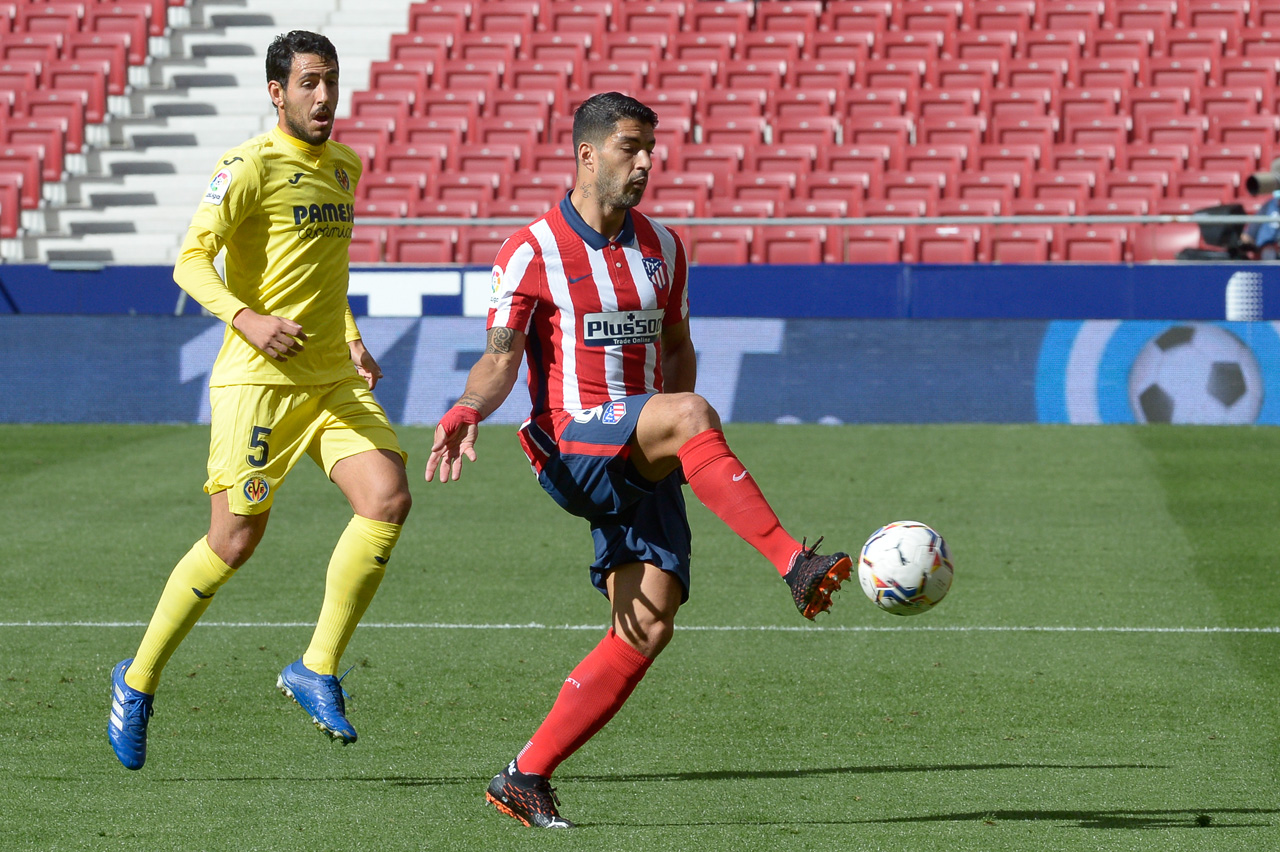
<point>656,269</point>
<point>341,175</point>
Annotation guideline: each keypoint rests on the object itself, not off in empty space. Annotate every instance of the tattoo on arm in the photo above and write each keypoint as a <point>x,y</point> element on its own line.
<point>472,399</point>
<point>499,342</point>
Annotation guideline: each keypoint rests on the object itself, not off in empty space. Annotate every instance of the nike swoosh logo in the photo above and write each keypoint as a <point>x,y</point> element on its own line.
<point>380,560</point>
<point>579,278</point>
<point>740,477</point>
<point>201,595</point>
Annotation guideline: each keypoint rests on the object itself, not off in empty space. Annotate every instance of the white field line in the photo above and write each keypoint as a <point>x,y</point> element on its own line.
<point>746,628</point>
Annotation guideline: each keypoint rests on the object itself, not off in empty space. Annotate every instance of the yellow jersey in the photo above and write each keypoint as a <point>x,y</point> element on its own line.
<point>284,211</point>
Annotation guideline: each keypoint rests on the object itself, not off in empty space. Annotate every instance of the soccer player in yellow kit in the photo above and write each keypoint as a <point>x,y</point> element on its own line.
<point>292,378</point>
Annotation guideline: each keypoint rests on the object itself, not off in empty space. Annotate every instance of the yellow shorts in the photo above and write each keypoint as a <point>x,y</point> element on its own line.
<point>259,432</point>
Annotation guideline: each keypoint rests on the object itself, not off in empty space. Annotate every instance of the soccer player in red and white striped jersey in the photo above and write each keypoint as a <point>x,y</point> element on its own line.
<point>594,295</point>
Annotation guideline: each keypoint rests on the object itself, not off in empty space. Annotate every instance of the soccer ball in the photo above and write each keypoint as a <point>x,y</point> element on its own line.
<point>1195,373</point>
<point>905,568</point>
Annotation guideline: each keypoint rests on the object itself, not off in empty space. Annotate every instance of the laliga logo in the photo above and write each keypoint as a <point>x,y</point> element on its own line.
<point>256,489</point>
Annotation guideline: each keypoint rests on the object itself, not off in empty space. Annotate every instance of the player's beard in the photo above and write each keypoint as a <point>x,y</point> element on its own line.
<point>299,126</point>
<point>617,192</point>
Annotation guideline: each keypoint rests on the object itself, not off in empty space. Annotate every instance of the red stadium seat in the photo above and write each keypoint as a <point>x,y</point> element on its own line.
<point>498,47</point>
<point>891,73</point>
<point>1000,187</point>
<point>1020,102</point>
<point>457,208</point>
<point>797,244</point>
<point>835,208</point>
<point>109,47</point>
<point>718,47</point>
<point>911,44</point>
<point>967,130</point>
<point>449,16</point>
<point>46,133</point>
<point>492,157</point>
<point>1137,43</point>
<point>649,17</point>
<point>555,46</point>
<point>66,107</point>
<point>671,209</point>
<point>873,244</point>
<point>949,102</point>
<point>1146,102</point>
<point>1212,157</point>
<point>1105,72</point>
<point>891,208</point>
<point>20,74</point>
<point>133,19</point>
<point>1071,14</point>
<point>631,48</point>
<point>864,104</point>
<point>477,186</point>
<point>969,207</point>
<point>479,246</point>
<point>39,47</point>
<point>894,131</point>
<point>789,159</point>
<point>694,186</point>
<point>392,187</point>
<point>787,46</point>
<point>941,244</point>
<point>1020,244</point>
<point>793,102</point>
<point>1256,42</point>
<point>955,74</point>
<point>696,74</point>
<point>1166,158</point>
<point>546,187</point>
<point>722,160</point>
<point>505,16</point>
<point>832,74</point>
<point>747,208</point>
<point>1155,15</point>
<point>1050,73</point>
<point>1208,187</point>
<point>872,159</point>
<point>1210,43</point>
<point>1225,14</point>
<point>1001,15</point>
<point>589,18</point>
<point>944,15</point>
<point>1146,186</point>
<point>1093,159</point>
<point>519,208</point>
<point>846,44</point>
<point>1191,72</point>
<point>839,186</point>
<point>807,130</point>
<point>1261,130</point>
<point>433,47</point>
<point>1159,129</point>
<point>1098,129</point>
<point>1076,105</point>
<point>26,161</point>
<point>715,16</point>
<point>367,208</point>
<point>1066,45</point>
<point>1076,186</point>
<point>733,103</point>
<point>998,44</point>
<point>1021,160</point>
<point>366,244</point>
<point>1093,243</point>
<point>789,16</point>
<point>397,104</point>
<point>54,16</point>
<point>1039,130</point>
<point>926,186</point>
<point>1156,242</point>
<point>1265,13</point>
<point>1241,100</point>
<point>857,16</point>
<point>720,244</point>
<point>89,77</point>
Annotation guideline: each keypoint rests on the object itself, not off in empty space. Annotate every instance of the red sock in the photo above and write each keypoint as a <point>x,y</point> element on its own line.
<point>594,691</point>
<point>723,485</point>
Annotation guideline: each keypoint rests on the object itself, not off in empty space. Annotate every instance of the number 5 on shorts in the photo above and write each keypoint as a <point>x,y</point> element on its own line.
<point>258,443</point>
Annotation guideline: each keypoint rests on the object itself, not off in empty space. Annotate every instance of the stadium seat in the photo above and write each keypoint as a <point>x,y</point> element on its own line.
<point>39,47</point>
<point>1057,45</point>
<point>990,16</point>
<point>873,244</point>
<point>519,208</point>
<point>1191,72</point>
<point>1038,130</point>
<point>788,159</point>
<point>47,133</point>
<point>969,207</point>
<point>715,16</point>
<point>670,209</point>
<point>433,208</point>
<point>832,74</point>
<point>926,186</point>
<point>586,21</point>
<point>821,185</point>
<point>955,74</point>
<point>1090,159</point>
<point>1071,14</point>
<point>1147,102</point>
<point>948,102</point>
<point>722,160</point>
<point>663,17</point>
<point>1048,73</point>
<point>548,186</point>
<point>865,104</point>
<point>498,47</point>
<point>1076,186</point>
<point>1236,100</point>
<point>949,159</point>
<point>1001,187</point>
<point>1260,130</point>
<point>133,19</point>
<point>1137,43</point>
<point>787,46</point>
<point>505,16</point>
<point>381,208</point>
<point>1147,185</point>
<point>789,16</point>
<point>505,133</point>
<point>694,186</point>
<point>48,17</point>
<point>1256,42</point>
<point>571,46</point>
<point>835,208</point>
<point>941,244</point>
<point>1020,244</point>
<point>792,102</point>
<point>555,75</point>
<point>1155,15</point>
<point>870,158</point>
<point>720,244</point>
<point>497,158</point>
<point>404,186</point>
<point>896,208</point>
<point>1105,72</point>
<point>1018,159</point>
<point>1265,13</point>
<point>629,48</point>
<point>424,159</point>
<point>848,44</point>
<point>1111,130</point>
<point>479,246</point>
<point>1239,159</point>
<point>1092,243</point>
<point>1168,158</point>
<point>733,103</point>
<point>966,130</point>
<point>911,44</point>
<point>482,75</point>
<point>894,131</point>
<point>1229,15</point>
<point>89,77</point>
<point>433,47</point>
<point>944,15</point>
<point>1209,43</point>
<point>109,47</point>
<point>891,73</point>
<point>807,130</point>
<point>1155,242</point>
<point>366,244</point>
<point>68,108</point>
<point>397,104</point>
<point>696,74</point>
<point>1020,102</point>
<point>1074,106</point>
<point>857,16</point>
<point>766,74</point>
<point>26,161</point>
<point>1159,129</point>
<point>997,44</point>
<point>1205,187</point>
<point>747,208</point>
<point>799,244</point>
<point>477,186</point>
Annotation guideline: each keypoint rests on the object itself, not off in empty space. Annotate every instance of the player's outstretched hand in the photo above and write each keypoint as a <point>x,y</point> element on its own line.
<point>277,337</point>
<point>455,438</point>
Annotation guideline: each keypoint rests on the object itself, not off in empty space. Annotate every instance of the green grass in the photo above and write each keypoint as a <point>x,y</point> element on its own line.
<point>1131,728</point>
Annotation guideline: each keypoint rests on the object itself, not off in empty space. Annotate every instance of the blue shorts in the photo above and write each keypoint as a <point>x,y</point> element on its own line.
<point>583,460</point>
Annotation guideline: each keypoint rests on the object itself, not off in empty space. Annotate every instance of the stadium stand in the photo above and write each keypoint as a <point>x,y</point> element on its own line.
<point>112,112</point>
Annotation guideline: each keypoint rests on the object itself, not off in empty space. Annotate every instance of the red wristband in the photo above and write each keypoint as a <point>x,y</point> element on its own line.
<point>457,417</point>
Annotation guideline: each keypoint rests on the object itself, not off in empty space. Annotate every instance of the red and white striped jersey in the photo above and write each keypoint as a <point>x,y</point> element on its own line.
<point>593,309</point>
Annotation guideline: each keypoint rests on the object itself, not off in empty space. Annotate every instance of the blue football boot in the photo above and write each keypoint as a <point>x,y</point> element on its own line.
<point>130,712</point>
<point>321,696</point>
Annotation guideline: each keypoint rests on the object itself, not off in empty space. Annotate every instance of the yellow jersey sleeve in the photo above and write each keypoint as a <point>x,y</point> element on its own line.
<point>283,211</point>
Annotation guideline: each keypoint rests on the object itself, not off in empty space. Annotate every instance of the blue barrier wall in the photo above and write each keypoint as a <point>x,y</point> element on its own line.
<point>155,369</point>
<point>888,291</point>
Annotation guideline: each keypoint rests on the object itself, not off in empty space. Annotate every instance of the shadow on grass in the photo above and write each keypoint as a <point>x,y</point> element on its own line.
<point>1120,819</point>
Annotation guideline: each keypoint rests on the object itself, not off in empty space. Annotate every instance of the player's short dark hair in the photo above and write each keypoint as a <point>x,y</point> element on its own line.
<point>281,52</point>
<point>597,116</point>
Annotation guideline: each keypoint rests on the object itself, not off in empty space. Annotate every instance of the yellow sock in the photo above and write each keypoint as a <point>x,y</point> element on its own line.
<point>185,598</point>
<point>356,569</point>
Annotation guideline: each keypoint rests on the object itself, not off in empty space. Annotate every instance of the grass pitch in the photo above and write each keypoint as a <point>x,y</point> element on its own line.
<point>1102,675</point>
